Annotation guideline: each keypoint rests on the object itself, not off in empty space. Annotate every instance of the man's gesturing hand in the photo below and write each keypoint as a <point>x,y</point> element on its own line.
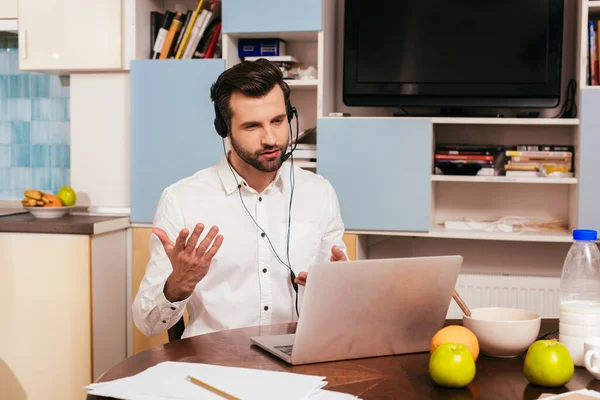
<point>190,263</point>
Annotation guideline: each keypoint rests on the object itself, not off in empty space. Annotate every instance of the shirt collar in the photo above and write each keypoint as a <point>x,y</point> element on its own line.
<point>230,183</point>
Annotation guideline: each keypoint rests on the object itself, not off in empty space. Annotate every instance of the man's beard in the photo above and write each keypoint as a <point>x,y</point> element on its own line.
<point>256,160</point>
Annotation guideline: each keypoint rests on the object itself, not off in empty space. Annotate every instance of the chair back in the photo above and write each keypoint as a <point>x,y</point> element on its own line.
<point>176,331</point>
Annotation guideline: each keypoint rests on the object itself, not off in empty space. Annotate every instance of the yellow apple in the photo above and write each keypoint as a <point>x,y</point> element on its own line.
<point>548,363</point>
<point>452,365</point>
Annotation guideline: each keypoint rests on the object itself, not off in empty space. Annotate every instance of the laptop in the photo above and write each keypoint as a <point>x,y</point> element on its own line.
<point>368,308</point>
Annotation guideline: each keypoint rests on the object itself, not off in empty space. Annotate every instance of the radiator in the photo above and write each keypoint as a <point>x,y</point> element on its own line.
<point>534,293</point>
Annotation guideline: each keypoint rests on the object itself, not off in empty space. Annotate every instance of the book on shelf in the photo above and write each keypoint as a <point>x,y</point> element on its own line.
<point>539,161</point>
<point>187,34</point>
<point>464,159</point>
<point>593,45</point>
<point>524,160</point>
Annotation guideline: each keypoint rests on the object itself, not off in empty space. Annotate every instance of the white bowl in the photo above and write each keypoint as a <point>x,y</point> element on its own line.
<point>579,330</point>
<point>579,319</point>
<point>49,212</point>
<point>503,332</point>
<point>575,346</point>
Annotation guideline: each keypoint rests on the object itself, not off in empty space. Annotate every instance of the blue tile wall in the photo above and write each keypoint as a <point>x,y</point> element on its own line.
<point>34,128</point>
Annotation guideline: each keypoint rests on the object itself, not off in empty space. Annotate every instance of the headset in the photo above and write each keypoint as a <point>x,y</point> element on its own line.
<point>222,130</point>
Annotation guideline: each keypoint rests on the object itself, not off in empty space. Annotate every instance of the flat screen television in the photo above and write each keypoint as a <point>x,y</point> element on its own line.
<point>453,53</point>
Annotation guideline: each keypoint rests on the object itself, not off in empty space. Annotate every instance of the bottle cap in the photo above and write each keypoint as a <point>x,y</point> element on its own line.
<point>584,234</point>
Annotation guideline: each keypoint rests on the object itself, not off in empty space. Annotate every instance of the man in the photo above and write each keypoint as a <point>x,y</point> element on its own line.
<point>238,273</point>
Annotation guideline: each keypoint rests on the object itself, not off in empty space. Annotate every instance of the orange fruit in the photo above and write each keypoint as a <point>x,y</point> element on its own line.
<point>456,334</point>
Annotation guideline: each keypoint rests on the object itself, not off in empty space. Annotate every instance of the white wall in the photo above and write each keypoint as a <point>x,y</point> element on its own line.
<point>100,140</point>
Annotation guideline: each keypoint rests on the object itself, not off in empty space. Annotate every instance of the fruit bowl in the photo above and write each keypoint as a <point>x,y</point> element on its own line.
<point>49,212</point>
<point>503,332</point>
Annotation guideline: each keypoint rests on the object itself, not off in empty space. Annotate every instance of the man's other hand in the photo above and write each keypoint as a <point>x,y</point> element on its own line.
<point>336,255</point>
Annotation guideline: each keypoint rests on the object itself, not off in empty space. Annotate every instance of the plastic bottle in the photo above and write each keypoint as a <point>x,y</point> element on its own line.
<point>580,293</point>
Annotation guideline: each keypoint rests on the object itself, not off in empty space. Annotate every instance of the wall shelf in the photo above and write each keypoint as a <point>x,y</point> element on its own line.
<point>594,6</point>
<point>503,179</point>
<point>8,25</point>
<point>441,233</point>
<point>307,36</point>
<point>301,84</point>
<point>305,164</point>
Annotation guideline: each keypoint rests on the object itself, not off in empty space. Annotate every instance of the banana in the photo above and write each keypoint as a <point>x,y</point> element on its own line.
<point>27,202</point>
<point>33,194</point>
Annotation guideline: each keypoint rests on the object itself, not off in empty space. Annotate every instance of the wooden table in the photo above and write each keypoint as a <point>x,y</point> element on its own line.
<point>392,377</point>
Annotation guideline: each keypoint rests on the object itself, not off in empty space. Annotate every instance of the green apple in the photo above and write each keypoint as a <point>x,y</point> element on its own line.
<point>451,365</point>
<point>67,195</point>
<point>548,363</point>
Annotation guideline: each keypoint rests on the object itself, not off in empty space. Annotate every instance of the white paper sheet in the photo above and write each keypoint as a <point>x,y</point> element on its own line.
<point>167,381</point>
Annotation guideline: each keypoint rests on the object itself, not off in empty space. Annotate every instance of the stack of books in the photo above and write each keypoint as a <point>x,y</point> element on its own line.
<point>190,34</point>
<point>464,159</point>
<point>539,160</point>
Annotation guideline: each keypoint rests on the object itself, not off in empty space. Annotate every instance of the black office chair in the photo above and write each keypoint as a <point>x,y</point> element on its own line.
<point>176,331</point>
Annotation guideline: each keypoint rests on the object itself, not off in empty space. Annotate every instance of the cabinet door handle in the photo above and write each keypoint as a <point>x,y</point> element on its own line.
<point>23,44</point>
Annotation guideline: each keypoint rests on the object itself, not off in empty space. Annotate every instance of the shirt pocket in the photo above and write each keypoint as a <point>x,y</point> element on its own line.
<point>305,239</point>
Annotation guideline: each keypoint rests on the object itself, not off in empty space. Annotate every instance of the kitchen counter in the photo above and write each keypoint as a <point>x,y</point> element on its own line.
<point>74,224</point>
<point>73,269</point>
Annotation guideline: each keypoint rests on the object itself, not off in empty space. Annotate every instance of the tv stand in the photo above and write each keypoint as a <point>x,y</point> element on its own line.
<point>450,112</point>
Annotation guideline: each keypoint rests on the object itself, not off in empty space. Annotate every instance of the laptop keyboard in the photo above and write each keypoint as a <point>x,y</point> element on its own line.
<point>286,349</point>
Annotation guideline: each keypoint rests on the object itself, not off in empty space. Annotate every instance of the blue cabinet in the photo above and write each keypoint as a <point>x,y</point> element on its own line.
<point>172,132</point>
<point>380,169</point>
<point>588,199</point>
<point>246,16</point>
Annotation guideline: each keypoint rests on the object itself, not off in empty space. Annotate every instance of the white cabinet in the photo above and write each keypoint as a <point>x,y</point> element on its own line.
<point>69,35</point>
<point>8,9</point>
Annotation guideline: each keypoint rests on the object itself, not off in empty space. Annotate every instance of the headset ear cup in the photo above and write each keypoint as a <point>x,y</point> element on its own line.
<point>220,126</point>
<point>291,110</point>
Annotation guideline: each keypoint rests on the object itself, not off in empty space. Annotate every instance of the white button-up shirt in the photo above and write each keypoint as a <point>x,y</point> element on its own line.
<point>246,284</point>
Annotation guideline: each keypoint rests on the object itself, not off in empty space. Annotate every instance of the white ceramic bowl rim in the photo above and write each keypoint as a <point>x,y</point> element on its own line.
<point>526,315</point>
<point>49,208</point>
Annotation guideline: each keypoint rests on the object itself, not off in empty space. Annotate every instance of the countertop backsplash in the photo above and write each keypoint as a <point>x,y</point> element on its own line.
<point>34,127</point>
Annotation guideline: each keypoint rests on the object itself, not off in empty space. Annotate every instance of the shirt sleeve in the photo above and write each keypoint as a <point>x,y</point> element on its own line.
<point>152,312</point>
<point>334,230</point>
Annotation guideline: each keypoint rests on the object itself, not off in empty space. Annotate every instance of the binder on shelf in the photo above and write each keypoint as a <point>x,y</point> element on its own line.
<point>171,37</point>
<point>261,47</point>
<point>188,18</point>
<point>156,21</point>
<point>162,34</point>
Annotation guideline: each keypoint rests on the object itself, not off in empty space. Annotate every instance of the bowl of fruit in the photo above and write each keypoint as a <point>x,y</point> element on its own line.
<point>43,204</point>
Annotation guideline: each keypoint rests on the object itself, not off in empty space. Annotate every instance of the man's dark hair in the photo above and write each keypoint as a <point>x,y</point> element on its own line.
<point>252,79</point>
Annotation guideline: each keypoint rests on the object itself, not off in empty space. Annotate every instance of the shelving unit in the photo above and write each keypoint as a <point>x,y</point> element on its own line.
<point>503,179</point>
<point>456,197</point>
